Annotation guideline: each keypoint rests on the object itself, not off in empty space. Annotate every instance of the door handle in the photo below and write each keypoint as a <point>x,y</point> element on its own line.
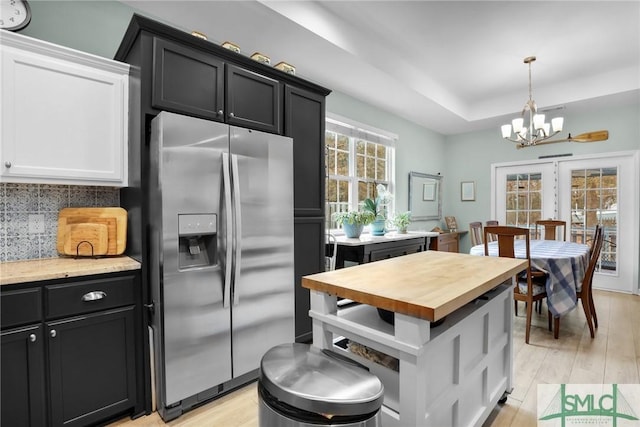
<point>94,296</point>
<point>226,182</point>
<point>238,224</point>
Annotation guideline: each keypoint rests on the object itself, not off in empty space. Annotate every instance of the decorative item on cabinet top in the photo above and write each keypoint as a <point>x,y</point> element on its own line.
<point>287,68</point>
<point>92,231</point>
<point>199,35</point>
<point>257,56</point>
<point>231,46</point>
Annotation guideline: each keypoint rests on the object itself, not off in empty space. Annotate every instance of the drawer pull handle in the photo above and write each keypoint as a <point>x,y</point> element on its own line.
<point>32,337</point>
<point>94,296</point>
<point>53,333</point>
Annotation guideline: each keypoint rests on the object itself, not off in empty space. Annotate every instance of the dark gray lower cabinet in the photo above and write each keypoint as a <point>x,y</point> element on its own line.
<point>23,379</point>
<point>75,363</point>
<point>91,366</point>
<point>308,239</point>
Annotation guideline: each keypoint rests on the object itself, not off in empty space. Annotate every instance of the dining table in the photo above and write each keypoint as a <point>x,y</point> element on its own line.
<point>563,262</point>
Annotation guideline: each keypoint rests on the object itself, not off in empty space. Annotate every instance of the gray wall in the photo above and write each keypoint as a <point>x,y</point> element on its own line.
<point>97,27</point>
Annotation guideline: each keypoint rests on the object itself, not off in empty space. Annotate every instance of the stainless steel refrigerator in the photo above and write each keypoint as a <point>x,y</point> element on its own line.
<point>221,242</point>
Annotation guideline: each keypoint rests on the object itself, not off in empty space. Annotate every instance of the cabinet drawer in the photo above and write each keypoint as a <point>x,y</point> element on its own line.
<point>88,296</point>
<point>394,252</point>
<point>20,307</point>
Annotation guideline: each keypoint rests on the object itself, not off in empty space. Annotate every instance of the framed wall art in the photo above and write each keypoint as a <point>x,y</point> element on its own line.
<point>467,191</point>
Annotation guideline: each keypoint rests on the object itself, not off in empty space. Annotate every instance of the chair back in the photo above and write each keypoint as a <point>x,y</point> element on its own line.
<point>491,223</point>
<point>593,261</point>
<point>475,231</point>
<point>597,232</point>
<point>506,236</point>
<point>330,252</point>
<point>550,226</point>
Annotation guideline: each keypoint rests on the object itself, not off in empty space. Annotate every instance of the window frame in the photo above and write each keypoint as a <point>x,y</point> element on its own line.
<point>355,132</point>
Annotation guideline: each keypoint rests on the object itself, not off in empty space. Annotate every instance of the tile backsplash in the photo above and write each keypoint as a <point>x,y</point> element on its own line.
<point>19,240</point>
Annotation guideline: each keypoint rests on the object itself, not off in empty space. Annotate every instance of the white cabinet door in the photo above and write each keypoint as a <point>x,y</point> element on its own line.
<point>64,115</point>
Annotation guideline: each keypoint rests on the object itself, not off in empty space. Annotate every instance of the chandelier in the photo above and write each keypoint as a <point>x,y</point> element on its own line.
<point>536,129</point>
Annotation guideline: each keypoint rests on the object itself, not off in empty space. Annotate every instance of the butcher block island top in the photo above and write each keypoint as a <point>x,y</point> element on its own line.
<point>429,285</point>
<point>57,268</point>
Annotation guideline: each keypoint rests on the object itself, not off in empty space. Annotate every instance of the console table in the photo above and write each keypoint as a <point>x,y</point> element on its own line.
<point>368,248</point>
<point>447,242</point>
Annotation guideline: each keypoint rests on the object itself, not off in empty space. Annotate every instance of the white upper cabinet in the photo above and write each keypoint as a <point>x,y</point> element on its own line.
<point>63,115</point>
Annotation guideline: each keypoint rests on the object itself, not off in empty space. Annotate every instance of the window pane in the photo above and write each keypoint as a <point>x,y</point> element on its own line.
<point>360,169</point>
<point>342,166</point>
<point>360,147</point>
<point>370,168</point>
<point>343,143</point>
<point>536,200</point>
<point>343,192</point>
<point>330,139</point>
<point>381,170</point>
<point>331,162</point>
<point>371,150</point>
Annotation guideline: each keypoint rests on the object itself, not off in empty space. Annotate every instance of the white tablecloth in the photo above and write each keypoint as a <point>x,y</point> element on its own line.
<point>564,262</point>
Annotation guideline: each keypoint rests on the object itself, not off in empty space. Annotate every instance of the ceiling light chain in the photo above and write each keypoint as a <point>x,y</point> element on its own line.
<point>536,130</point>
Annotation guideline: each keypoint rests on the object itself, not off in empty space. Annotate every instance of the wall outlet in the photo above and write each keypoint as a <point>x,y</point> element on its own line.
<point>36,223</point>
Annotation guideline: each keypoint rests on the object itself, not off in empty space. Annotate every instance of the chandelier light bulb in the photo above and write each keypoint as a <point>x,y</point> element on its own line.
<point>538,121</point>
<point>517,124</point>
<point>557,123</point>
<point>506,131</point>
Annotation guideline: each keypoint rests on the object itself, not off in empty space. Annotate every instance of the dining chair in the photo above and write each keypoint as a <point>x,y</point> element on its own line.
<point>550,229</point>
<point>330,252</point>
<point>585,294</point>
<point>527,289</point>
<point>491,223</point>
<point>475,231</point>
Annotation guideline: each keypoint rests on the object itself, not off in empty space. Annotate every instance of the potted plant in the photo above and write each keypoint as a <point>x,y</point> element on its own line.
<point>378,209</point>
<point>353,222</point>
<point>401,221</point>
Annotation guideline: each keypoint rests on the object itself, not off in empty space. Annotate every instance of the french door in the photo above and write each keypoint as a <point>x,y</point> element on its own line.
<point>583,191</point>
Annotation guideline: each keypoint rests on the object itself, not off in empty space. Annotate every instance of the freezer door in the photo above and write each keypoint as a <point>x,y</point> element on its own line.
<point>263,290</point>
<point>195,327</point>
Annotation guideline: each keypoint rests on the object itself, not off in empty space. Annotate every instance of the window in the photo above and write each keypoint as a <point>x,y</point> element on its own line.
<point>594,200</point>
<point>357,159</point>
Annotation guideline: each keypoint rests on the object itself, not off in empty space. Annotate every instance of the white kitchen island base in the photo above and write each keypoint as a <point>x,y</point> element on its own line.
<point>449,375</point>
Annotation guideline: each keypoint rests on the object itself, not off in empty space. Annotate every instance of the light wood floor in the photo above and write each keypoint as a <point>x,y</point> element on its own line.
<point>612,357</point>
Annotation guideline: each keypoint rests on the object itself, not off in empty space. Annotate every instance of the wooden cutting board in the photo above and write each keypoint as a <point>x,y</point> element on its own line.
<point>114,218</point>
<point>86,239</point>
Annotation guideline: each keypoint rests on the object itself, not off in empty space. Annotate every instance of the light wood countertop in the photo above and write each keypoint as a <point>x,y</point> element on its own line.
<point>58,268</point>
<point>429,285</point>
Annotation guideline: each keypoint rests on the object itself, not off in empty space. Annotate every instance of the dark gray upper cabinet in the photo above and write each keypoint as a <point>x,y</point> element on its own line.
<point>304,122</point>
<point>253,100</point>
<point>186,80</point>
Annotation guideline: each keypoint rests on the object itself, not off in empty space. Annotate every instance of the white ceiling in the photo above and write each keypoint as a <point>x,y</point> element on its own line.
<point>451,66</point>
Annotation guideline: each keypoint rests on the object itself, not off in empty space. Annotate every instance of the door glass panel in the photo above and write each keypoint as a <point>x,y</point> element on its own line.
<point>594,200</point>
<point>523,199</point>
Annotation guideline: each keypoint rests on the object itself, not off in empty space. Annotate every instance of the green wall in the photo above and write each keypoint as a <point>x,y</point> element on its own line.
<point>469,156</point>
<point>97,27</point>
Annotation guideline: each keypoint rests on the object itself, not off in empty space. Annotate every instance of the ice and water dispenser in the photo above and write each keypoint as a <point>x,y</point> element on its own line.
<point>197,240</point>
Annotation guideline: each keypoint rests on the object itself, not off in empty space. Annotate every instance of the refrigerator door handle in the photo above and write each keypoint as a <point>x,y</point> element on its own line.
<point>226,179</point>
<point>238,224</point>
